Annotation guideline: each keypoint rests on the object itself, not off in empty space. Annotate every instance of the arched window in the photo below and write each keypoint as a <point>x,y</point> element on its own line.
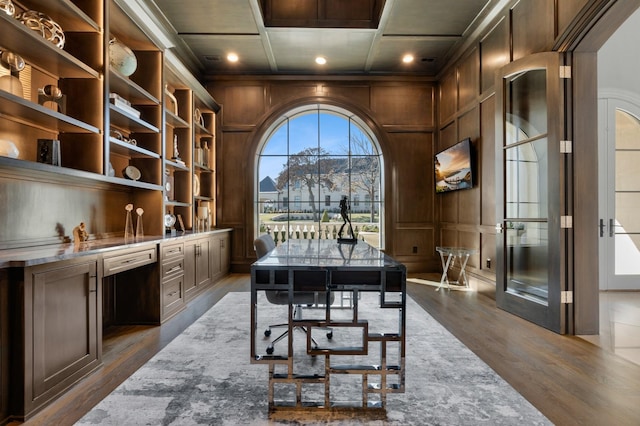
<point>308,160</point>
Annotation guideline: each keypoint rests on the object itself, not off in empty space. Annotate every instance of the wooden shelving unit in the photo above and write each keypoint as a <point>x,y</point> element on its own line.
<point>98,139</point>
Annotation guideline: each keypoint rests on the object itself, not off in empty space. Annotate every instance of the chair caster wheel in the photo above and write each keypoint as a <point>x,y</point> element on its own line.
<point>267,332</point>
<point>330,335</point>
<point>269,350</point>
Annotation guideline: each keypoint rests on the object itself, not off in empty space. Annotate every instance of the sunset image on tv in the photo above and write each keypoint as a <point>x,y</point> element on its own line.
<point>453,168</point>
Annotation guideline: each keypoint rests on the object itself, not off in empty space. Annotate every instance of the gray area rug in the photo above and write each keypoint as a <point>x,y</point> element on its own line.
<point>204,377</point>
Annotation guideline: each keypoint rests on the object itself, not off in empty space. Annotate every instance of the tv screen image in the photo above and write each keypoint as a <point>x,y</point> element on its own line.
<point>453,167</point>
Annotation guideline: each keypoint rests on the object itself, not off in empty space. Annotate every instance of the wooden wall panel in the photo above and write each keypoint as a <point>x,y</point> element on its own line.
<point>487,161</point>
<point>232,165</point>
<point>468,86</point>
<point>242,105</point>
<point>470,239</point>
<point>488,252</point>
<point>357,94</point>
<point>469,126</point>
<point>532,23</point>
<point>494,53</point>
<point>282,91</point>
<point>413,177</point>
<point>448,97</point>
<point>567,10</point>
<point>403,105</point>
<point>415,242</point>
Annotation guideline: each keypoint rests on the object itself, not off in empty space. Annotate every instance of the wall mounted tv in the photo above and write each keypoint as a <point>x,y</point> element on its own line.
<point>453,169</point>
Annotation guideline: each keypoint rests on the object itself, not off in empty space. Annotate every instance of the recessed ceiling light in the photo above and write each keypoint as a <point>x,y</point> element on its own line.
<point>407,59</point>
<point>320,60</point>
<point>232,57</point>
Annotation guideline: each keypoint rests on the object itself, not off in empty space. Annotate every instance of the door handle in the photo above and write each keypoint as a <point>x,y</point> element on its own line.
<point>499,228</point>
<point>612,231</point>
<point>601,226</point>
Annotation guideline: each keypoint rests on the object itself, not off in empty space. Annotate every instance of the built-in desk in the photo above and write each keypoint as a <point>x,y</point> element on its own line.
<point>56,301</point>
<point>326,266</point>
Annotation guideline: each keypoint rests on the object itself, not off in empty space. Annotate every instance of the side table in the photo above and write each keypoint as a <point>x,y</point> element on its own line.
<point>448,256</point>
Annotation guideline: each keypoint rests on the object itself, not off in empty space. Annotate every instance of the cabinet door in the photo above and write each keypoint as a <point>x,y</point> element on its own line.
<point>62,328</point>
<point>189,267</point>
<point>203,265</point>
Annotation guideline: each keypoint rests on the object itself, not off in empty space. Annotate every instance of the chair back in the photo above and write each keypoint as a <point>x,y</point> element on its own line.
<point>263,245</point>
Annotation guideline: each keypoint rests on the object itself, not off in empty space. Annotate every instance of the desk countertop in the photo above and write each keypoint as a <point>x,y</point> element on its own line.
<point>326,254</point>
<point>30,256</point>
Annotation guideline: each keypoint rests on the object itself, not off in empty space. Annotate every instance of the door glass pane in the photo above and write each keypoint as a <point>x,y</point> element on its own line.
<point>526,180</point>
<point>526,105</point>
<point>527,256</point>
<point>627,194</point>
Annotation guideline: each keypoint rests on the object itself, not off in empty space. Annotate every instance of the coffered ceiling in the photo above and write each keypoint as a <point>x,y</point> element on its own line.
<point>357,37</point>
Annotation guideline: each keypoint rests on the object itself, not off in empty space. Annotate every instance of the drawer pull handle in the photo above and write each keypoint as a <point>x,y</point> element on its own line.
<point>175,268</point>
<point>173,293</point>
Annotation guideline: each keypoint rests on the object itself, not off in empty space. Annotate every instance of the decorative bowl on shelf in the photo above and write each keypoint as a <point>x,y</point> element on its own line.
<point>47,27</point>
<point>8,149</point>
<point>131,172</point>
<point>196,185</point>
<point>121,58</point>
<point>7,7</point>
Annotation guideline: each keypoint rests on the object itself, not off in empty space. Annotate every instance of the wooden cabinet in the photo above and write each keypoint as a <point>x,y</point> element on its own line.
<point>108,129</point>
<point>62,334</point>
<point>173,278</point>
<point>220,255</point>
<point>5,369</point>
<point>197,265</point>
<point>53,98</point>
<point>189,144</point>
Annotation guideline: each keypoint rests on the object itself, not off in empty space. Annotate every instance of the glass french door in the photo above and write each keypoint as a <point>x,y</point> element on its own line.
<point>530,239</point>
<point>620,195</point>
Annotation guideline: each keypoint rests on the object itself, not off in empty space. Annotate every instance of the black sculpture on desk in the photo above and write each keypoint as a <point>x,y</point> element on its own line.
<point>345,207</point>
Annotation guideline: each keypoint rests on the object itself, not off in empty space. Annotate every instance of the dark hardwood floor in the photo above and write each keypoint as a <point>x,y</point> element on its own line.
<point>570,380</point>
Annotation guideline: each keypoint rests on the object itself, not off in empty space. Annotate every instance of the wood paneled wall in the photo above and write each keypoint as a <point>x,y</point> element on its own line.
<point>467,109</point>
<point>401,113</point>
<point>413,119</point>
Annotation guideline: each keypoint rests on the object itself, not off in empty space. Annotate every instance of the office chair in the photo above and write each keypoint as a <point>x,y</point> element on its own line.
<point>262,246</point>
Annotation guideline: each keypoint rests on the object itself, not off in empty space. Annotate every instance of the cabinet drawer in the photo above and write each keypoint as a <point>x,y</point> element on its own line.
<point>172,250</point>
<point>172,268</point>
<point>172,299</point>
<point>124,262</point>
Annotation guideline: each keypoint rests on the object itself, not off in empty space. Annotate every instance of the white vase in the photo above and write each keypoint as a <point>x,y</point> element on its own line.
<point>121,58</point>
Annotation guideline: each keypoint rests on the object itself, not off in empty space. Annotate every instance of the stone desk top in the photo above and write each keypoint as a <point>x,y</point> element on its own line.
<point>30,256</point>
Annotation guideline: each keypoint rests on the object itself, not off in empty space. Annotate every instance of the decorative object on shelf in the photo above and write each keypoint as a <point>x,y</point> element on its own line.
<point>131,172</point>
<point>196,185</point>
<point>121,58</point>
<point>197,115</point>
<point>169,222</point>
<point>80,233</point>
<point>51,93</point>
<point>49,152</point>
<point>197,155</point>
<point>11,64</point>
<point>205,154</point>
<point>176,153</point>
<point>168,185</point>
<point>168,91</point>
<point>203,217</point>
<point>181,227</point>
<point>128,224</point>
<point>123,104</point>
<point>139,227</point>
<point>47,27</point>
<point>7,7</point>
<point>8,149</point>
<point>112,171</point>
